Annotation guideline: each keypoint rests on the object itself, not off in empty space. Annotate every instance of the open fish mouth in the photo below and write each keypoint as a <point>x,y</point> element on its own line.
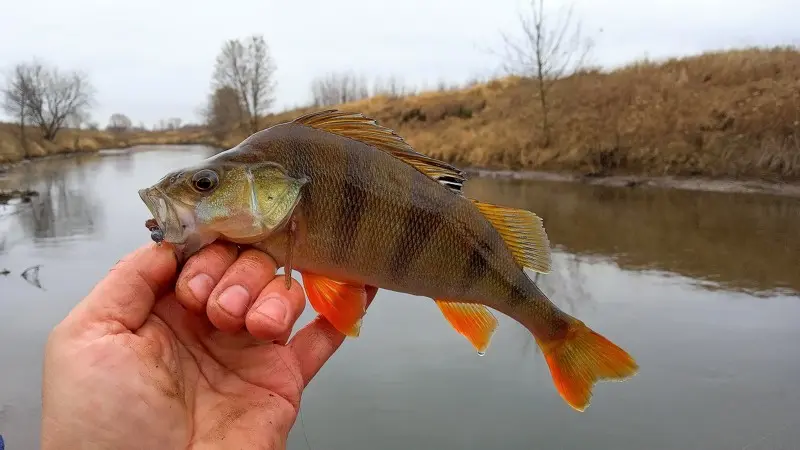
<point>166,215</point>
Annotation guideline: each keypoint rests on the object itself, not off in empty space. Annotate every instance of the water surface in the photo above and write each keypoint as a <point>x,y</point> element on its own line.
<point>702,288</point>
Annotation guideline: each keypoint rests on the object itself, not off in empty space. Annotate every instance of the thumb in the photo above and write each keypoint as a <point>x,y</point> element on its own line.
<point>124,298</point>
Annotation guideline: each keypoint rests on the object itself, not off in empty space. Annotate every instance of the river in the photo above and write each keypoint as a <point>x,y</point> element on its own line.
<point>702,288</point>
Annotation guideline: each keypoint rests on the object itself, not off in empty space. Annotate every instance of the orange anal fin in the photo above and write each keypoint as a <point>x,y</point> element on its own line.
<point>581,359</point>
<point>473,321</point>
<point>342,304</point>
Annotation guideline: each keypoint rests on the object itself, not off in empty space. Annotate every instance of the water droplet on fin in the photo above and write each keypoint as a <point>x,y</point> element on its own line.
<point>481,353</point>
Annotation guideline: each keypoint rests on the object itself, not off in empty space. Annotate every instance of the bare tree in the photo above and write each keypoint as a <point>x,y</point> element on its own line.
<point>76,122</point>
<point>173,123</point>
<point>223,111</point>
<point>16,95</point>
<point>392,87</point>
<point>78,119</point>
<point>54,97</point>
<point>547,51</point>
<point>249,69</point>
<point>118,123</point>
<point>337,88</point>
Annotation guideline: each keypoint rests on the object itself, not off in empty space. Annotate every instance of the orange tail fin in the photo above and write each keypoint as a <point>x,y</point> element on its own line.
<point>581,359</point>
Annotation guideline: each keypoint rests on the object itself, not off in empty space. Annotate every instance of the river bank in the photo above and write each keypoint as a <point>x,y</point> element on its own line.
<point>635,181</point>
<point>75,141</point>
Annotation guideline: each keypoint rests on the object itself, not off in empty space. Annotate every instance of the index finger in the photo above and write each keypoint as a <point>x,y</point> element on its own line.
<point>315,343</point>
<point>201,272</point>
<point>125,297</point>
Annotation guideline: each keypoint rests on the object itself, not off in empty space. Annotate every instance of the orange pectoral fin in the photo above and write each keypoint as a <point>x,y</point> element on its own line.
<point>473,321</point>
<point>342,304</point>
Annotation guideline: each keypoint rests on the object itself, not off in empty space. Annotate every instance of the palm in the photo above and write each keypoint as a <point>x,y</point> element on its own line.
<point>212,383</point>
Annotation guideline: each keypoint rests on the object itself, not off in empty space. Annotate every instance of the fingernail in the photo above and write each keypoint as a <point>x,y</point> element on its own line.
<point>234,300</point>
<point>273,308</point>
<point>201,286</point>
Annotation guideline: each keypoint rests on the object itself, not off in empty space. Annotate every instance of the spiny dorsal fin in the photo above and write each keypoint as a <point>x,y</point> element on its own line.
<point>363,129</point>
<point>522,232</point>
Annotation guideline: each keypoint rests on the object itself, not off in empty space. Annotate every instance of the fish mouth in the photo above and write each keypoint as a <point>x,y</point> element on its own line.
<point>167,215</point>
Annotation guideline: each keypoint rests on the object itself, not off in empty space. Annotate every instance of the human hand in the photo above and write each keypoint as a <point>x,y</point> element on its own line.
<point>152,359</point>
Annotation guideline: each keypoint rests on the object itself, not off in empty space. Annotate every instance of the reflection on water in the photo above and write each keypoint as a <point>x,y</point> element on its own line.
<point>689,282</point>
<point>64,208</point>
<point>732,241</point>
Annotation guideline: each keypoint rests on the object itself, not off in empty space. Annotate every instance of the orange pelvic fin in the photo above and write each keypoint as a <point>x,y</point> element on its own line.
<point>581,359</point>
<point>342,304</point>
<point>473,321</point>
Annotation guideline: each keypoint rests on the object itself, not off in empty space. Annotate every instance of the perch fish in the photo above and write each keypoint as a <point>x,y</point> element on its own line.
<point>348,204</point>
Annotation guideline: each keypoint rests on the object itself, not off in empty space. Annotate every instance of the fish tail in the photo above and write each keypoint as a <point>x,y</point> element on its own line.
<point>580,358</point>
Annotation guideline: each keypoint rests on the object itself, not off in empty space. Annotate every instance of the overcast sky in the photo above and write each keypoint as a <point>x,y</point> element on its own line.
<point>152,59</point>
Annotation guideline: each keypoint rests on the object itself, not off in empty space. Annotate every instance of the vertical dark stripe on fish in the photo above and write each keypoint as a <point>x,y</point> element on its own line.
<point>477,264</point>
<point>352,203</point>
<point>308,163</point>
<point>518,294</point>
<point>419,227</point>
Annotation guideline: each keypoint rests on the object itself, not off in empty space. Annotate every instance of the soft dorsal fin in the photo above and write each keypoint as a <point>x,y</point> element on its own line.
<point>522,232</point>
<point>363,129</point>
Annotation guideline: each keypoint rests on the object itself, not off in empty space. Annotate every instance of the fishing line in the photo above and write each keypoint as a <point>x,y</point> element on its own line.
<point>300,391</point>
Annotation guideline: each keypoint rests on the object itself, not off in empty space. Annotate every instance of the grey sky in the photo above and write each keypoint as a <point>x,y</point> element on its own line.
<point>152,59</point>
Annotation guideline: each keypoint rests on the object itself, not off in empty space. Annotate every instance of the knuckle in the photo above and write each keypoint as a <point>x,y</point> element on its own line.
<point>255,261</point>
<point>220,256</point>
<point>214,259</point>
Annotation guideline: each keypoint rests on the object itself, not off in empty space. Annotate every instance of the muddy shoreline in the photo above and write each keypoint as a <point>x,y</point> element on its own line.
<point>639,181</point>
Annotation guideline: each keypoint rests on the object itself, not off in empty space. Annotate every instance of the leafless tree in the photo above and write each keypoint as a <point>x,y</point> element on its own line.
<point>223,111</point>
<point>55,96</point>
<point>337,88</point>
<point>248,68</point>
<point>392,87</point>
<point>16,95</point>
<point>173,123</point>
<point>547,51</point>
<point>76,122</point>
<point>118,123</point>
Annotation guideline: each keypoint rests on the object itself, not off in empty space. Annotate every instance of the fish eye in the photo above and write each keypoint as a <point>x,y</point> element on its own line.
<point>205,180</point>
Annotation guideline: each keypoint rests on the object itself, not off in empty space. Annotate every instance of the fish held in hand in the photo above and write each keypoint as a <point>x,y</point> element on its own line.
<point>349,204</point>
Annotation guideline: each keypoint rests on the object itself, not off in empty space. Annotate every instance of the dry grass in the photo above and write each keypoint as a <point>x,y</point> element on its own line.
<point>725,114</point>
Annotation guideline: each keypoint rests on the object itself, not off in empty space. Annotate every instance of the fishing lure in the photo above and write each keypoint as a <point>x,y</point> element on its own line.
<point>156,233</point>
